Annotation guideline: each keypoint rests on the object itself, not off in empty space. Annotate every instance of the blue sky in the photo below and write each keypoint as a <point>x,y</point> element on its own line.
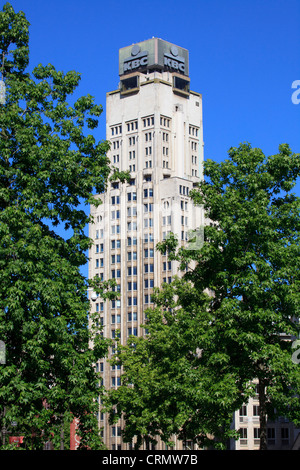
<point>244,57</point>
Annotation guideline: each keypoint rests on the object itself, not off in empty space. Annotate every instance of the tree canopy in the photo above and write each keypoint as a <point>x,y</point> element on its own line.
<point>231,316</point>
<point>50,166</point>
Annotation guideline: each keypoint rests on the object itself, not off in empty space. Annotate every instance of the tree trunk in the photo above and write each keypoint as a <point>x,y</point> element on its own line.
<point>62,434</point>
<point>262,414</point>
<point>3,430</point>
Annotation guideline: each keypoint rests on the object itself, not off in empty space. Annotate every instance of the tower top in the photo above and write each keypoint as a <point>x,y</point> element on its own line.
<point>153,54</point>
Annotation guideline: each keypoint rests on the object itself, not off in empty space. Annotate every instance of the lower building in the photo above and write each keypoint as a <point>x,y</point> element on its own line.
<point>281,434</point>
<point>154,124</point>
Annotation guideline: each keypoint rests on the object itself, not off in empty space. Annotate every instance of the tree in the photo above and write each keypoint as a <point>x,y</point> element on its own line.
<point>232,317</point>
<point>254,241</point>
<point>168,389</point>
<point>49,167</point>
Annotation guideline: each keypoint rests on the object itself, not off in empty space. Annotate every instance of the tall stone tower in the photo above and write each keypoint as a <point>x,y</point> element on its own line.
<point>154,124</point>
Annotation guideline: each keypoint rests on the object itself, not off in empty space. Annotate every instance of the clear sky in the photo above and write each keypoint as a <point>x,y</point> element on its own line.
<point>244,58</point>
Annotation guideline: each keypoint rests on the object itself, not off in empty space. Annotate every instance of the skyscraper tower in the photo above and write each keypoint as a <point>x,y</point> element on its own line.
<point>154,124</point>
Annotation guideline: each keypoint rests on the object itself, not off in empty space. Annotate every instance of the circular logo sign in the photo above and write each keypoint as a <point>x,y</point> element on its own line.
<point>135,50</point>
<point>174,50</point>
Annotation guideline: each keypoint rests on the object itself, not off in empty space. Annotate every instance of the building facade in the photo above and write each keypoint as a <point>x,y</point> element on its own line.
<point>154,124</point>
<point>281,434</point>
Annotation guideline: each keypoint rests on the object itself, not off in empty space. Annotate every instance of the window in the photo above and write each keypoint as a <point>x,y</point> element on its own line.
<point>148,121</point>
<point>285,436</point>
<point>148,192</point>
<point>115,334</point>
<point>167,220</point>
<point>115,229</point>
<point>115,130</point>
<point>148,208</point>
<point>132,271</point>
<point>115,200</point>
<point>132,126</point>
<point>151,252</point>
<point>115,381</point>
<point>243,436</point>
<point>148,299</point>
<point>132,301</point>
<point>115,214</point>
<point>116,431</point>
<point>131,255</point>
<point>116,303</point>
<point>115,244</point>
<point>132,286</point>
<point>193,130</point>
<point>148,237</point>
<point>149,268</point>
<point>132,211</point>
<point>132,331</point>
<point>132,316</point>
<point>131,196</point>
<point>165,121</point>
<point>271,435</point>
<point>256,435</point>
<point>149,283</point>
<point>183,190</point>
<point>116,288</point>
<point>131,241</point>
<point>132,226</point>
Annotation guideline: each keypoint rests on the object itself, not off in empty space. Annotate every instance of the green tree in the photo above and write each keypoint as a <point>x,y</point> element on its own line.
<point>168,388</point>
<point>232,317</point>
<point>50,165</point>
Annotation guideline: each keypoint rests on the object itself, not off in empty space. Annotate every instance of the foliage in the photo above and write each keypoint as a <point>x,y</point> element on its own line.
<point>167,388</point>
<point>230,319</point>
<point>49,168</point>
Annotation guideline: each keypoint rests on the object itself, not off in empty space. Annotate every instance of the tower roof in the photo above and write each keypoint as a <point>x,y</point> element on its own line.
<point>153,54</point>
